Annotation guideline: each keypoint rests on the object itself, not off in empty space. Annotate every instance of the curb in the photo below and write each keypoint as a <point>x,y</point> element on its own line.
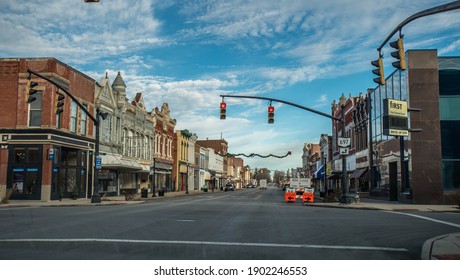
<point>443,247</point>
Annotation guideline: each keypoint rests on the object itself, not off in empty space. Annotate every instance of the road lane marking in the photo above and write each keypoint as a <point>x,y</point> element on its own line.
<point>212,243</point>
<point>185,220</point>
<point>425,218</point>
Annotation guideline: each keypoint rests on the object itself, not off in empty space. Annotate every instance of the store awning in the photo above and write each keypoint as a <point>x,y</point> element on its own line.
<point>110,161</point>
<point>161,165</point>
<point>145,168</point>
<point>129,164</point>
<point>358,173</point>
<point>334,176</point>
<point>162,168</point>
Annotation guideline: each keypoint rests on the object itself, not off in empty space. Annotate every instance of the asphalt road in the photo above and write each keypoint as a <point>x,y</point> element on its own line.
<point>236,225</point>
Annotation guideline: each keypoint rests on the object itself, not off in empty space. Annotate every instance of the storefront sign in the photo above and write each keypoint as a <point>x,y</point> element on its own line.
<point>51,154</point>
<point>98,162</point>
<point>395,121</point>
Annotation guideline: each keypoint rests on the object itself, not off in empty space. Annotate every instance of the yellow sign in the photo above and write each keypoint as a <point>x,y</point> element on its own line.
<point>397,132</point>
<point>397,108</point>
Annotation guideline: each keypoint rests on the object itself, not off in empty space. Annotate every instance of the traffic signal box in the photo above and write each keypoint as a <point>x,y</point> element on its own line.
<point>32,85</point>
<point>59,103</point>
<point>223,110</point>
<point>379,71</point>
<point>399,54</point>
<point>271,114</point>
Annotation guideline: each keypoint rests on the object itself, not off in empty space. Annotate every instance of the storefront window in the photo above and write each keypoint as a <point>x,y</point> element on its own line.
<point>24,176</point>
<point>450,171</point>
<point>25,181</point>
<point>34,155</point>
<point>449,108</point>
<point>20,155</point>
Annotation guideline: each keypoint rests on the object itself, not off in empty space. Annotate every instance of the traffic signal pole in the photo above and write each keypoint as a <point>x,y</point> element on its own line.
<point>285,102</point>
<point>96,197</point>
<point>345,199</point>
<point>435,10</point>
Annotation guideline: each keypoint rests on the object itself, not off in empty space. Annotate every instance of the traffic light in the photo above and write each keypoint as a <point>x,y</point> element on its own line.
<point>32,91</point>
<point>379,71</point>
<point>271,114</point>
<point>59,103</point>
<point>399,54</point>
<point>223,110</point>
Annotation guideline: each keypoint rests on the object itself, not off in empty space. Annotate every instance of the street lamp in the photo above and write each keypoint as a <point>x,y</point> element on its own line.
<point>345,199</point>
<point>96,197</point>
<point>153,176</point>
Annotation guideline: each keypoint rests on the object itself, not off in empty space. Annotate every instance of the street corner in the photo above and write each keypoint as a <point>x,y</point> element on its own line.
<point>444,247</point>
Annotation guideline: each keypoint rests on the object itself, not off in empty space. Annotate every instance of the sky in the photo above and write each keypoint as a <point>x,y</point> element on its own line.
<point>187,53</point>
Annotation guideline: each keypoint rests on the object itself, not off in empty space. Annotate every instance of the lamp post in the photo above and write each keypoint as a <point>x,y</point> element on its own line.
<point>186,182</point>
<point>153,176</point>
<point>96,197</point>
<point>345,199</point>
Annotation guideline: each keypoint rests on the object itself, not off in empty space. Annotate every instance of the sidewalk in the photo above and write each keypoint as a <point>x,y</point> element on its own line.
<point>111,200</point>
<point>376,204</point>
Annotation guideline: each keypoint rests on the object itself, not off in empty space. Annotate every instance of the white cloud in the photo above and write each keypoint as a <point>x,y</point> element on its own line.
<point>75,30</point>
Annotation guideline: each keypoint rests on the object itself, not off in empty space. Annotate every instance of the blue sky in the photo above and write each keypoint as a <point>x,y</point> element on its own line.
<point>187,53</point>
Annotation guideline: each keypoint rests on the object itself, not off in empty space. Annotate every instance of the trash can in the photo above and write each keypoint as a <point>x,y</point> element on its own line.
<point>144,193</point>
<point>161,193</point>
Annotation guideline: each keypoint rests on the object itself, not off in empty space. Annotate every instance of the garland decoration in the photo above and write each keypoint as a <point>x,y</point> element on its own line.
<point>252,155</point>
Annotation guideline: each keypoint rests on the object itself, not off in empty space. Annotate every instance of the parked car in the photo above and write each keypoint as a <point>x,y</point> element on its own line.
<point>229,187</point>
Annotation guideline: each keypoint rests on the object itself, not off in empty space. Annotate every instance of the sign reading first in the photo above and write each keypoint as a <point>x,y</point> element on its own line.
<point>395,108</point>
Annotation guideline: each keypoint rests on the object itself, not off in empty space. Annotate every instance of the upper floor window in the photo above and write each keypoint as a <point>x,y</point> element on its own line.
<point>83,121</point>
<point>73,117</point>
<point>35,110</point>
<point>107,128</point>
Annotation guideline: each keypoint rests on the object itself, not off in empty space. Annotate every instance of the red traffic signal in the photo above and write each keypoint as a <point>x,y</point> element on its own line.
<point>223,110</point>
<point>271,114</point>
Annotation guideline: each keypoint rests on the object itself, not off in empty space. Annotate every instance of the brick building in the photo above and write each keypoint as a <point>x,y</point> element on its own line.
<point>45,155</point>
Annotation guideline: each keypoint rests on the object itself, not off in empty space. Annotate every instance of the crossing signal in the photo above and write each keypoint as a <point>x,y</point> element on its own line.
<point>379,71</point>
<point>223,110</point>
<point>32,91</point>
<point>271,114</point>
<point>399,54</point>
<point>60,103</point>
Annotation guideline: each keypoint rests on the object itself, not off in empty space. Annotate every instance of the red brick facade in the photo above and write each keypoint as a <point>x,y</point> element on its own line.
<point>16,133</point>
